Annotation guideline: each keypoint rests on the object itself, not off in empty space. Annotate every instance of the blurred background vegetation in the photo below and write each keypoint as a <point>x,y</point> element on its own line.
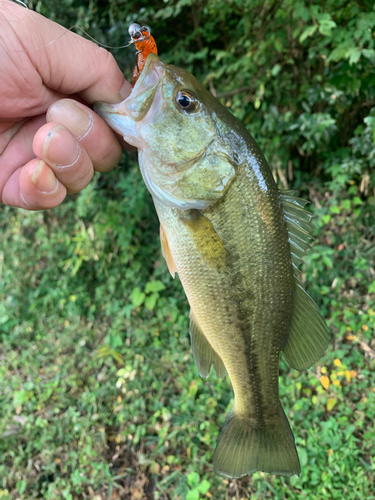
<point>100,398</point>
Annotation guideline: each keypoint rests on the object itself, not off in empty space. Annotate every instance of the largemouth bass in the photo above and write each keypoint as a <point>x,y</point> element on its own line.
<point>236,242</point>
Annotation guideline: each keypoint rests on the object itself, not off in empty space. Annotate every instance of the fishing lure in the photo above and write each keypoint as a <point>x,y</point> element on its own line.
<point>145,45</point>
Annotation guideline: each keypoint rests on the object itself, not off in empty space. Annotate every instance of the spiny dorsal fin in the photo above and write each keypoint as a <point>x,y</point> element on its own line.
<point>308,337</point>
<point>166,251</point>
<point>204,354</point>
<point>299,226</point>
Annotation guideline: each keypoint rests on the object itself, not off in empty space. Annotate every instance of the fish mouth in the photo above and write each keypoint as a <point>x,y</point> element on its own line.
<point>123,117</point>
<point>153,68</point>
<point>137,104</point>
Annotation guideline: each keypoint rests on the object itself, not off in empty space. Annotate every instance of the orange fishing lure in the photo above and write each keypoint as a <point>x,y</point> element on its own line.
<point>145,45</point>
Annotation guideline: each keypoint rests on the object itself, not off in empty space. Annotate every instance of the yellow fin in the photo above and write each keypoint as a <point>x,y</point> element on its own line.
<point>206,240</point>
<point>166,251</point>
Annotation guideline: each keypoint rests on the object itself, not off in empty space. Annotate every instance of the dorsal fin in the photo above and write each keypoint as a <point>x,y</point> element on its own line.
<point>299,226</point>
<point>308,337</point>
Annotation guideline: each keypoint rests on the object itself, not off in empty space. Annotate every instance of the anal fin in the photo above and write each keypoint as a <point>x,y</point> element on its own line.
<point>203,352</point>
<point>308,337</point>
<point>166,251</point>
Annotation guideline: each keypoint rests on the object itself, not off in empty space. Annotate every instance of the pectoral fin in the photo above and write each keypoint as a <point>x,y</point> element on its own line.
<point>206,240</point>
<point>166,251</point>
<point>204,354</point>
<point>308,338</point>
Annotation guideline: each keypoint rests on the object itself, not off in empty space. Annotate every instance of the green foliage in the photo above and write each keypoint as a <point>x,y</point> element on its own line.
<point>197,487</point>
<point>99,394</point>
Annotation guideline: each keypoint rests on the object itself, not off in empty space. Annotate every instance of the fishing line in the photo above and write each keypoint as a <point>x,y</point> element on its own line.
<point>20,2</point>
<point>85,32</point>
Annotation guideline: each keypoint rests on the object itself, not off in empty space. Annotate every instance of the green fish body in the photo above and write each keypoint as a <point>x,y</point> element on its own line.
<point>236,242</point>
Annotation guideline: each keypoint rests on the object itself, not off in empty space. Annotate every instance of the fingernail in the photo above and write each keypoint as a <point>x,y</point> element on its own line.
<point>43,178</point>
<point>125,91</point>
<point>71,114</point>
<point>60,148</point>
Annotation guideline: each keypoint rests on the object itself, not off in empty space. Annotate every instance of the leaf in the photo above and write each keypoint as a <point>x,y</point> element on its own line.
<point>192,495</point>
<point>193,389</point>
<point>204,486</point>
<point>302,453</point>
<point>276,70</point>
<point>21,486</point>
<point>116,356</point>
<point>151,300</point>
<point>308,32</point>
<point>154,467</point>
<point>353,54</point>
<point>327,261</point>
<point>326,26</point>
<point>334,209</point>
<point>193,478</point>
<point>369,53</point>
<point>337,362</point>
<point>154,286</point>
<point>137,297</point>
<point>3,319</point>
<point>325,381</point>
<point>331,403</point>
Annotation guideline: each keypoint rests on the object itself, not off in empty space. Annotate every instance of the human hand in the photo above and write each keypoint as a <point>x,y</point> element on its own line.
<point>50,144</point>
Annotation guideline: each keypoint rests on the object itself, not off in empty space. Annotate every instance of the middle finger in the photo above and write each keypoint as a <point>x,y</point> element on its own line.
<point>69,160</point>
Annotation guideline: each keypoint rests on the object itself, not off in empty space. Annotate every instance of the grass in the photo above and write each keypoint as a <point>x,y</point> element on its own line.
<point>100,398</point>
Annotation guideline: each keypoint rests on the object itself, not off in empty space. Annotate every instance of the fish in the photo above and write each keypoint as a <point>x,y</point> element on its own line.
<point>237,242</point>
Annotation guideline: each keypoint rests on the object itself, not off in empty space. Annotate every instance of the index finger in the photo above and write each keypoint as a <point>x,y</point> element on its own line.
<point>66,62</point>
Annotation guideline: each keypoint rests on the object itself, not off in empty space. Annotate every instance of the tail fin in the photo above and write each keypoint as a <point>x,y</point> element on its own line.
<point>246,446</point>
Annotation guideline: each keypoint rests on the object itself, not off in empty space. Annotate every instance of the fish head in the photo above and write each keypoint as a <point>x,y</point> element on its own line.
<point>170,117</point>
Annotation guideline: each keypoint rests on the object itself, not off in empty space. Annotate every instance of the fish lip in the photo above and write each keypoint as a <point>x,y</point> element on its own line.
<point>153,70</point>
<point>103,107</point>
<point>152,60</point>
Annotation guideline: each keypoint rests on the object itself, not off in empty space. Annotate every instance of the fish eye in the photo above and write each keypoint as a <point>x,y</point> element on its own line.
<point>186,101</point>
